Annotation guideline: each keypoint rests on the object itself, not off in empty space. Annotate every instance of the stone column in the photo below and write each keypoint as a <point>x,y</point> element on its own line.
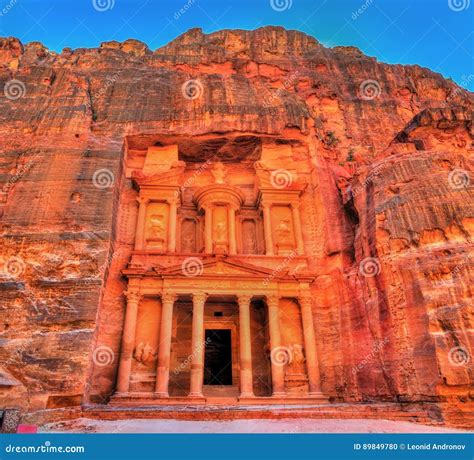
<point>297,226</point>
<point>208,229</point>
<point>128,341</point>
<point>312,362</point>
<point>140,228</point>
<point>173,210</point>
<point>267,224</point>
<point>278,370</point>
<point>232,235</point>
<point>164,346</point>
<point>197,352</point>
<point>246,377</point>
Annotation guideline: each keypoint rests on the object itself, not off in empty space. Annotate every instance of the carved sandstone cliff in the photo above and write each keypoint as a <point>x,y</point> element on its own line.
<point>391,148</point>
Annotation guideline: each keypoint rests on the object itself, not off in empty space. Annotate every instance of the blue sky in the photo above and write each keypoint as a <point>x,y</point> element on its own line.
<point>434,33</point>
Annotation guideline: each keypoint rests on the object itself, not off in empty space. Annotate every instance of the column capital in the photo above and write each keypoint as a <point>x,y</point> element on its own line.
<point>305,301</point>
<point>142,200</point>
<point>273,300</point>
<point>244,299</point>
<point>133,295</point>
<point>168,297</point>
<point>173,200</point>
<point>265,205</point>
<point>199,297</point>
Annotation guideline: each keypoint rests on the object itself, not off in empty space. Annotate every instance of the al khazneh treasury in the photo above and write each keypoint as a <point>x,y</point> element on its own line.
<point>219,300</point>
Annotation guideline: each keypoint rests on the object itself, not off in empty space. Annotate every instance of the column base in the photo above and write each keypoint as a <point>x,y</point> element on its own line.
<point>121,394</point>
<point>279,394</point>
<point>161,395</point>
<point>316,394</point>
<point>246,394</point>
<point>195,398</point>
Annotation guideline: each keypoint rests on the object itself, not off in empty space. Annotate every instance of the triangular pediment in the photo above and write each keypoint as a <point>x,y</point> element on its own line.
<point>218,267</point>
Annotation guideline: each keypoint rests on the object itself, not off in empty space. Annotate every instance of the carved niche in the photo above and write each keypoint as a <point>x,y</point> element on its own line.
<point>283,229</point>
<point>156,234</point>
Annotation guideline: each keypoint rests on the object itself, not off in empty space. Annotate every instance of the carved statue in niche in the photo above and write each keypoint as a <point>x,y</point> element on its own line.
<point>144,353</point>
<point>283,232</point>
<point>219,173</point>
<point>156,231</point>
<point>220,235</point>
<point>188,236</point>
<point>249,237</point>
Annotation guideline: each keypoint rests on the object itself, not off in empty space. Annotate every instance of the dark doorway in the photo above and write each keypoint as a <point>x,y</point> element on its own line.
<point>218,357</point>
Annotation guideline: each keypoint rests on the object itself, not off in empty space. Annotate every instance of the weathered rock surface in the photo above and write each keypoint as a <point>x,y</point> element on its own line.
<point>393,155</point>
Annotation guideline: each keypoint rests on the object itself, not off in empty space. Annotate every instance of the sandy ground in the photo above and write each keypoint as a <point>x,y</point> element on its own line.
<point>303,425</point>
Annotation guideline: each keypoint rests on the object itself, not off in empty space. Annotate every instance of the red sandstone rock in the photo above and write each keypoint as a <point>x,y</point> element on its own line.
<point>406,154</point>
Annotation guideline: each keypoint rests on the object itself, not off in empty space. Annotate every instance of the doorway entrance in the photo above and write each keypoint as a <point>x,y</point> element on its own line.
<point>218,357</point>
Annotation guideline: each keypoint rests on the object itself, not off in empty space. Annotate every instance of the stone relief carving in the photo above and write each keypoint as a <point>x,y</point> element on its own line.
<point>219,173</point>
<point>144,353</point>
<point>156,231</point>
